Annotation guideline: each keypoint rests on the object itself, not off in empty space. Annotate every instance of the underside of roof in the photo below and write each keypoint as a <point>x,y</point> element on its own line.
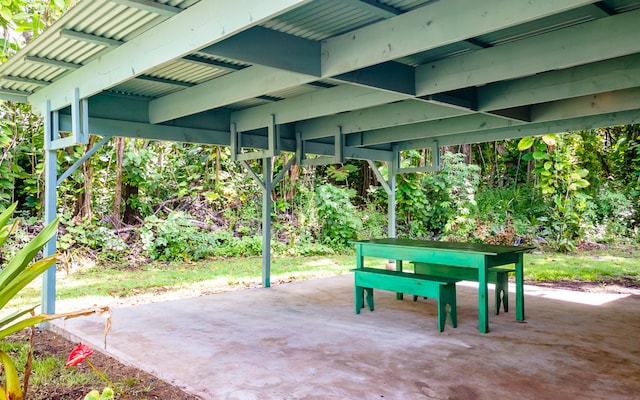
<point>344,78</point>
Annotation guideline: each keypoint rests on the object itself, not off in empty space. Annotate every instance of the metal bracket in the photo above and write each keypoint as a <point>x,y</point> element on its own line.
<point>338,154</point>
<point>273,143</point>
<point>433,166</point>
<point>79,125</point>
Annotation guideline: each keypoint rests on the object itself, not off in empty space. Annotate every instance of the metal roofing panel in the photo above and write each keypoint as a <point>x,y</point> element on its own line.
<point>294,91</point>
<point>321,19</point>
<point>186,71</point>
<point>405,5</point>
<point>140,87</point>
<point>103,18</point>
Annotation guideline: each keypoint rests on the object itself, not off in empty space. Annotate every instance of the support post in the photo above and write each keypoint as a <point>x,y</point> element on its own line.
<point>50,205</point>
<point>267,169</point>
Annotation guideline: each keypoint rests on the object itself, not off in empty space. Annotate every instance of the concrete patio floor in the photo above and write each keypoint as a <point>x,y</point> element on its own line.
<point>303,340</point>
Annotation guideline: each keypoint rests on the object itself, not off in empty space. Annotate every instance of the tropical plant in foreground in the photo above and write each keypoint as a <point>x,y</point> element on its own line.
<point>17,273</point>
<point>76,357</point>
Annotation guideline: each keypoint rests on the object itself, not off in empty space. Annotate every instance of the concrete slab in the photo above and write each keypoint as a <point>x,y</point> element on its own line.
<point>303,340</point>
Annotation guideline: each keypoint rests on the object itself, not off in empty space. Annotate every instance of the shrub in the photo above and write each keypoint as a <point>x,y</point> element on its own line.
<point>338,217</point>
<point>175,238</point>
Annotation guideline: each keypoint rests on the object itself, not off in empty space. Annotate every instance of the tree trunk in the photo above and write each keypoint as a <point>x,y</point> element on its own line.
<point>117,196</point>
<point>85,198</point>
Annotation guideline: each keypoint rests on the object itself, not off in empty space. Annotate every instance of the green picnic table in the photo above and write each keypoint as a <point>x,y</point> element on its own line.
<point>476,256</point>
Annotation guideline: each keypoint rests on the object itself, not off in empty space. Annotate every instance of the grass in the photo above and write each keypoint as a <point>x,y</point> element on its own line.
<point>583,266</point>
<point>121,281</point>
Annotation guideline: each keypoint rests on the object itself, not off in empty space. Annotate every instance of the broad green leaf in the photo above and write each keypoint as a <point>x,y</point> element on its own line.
<point>539,155</point>
<point>549,139</point>
<point>20,261</point>
<point>548,165</point>
<point>24,277</point>
<point>525,143</point>
<point>6,14</point>
<point>12,385</point>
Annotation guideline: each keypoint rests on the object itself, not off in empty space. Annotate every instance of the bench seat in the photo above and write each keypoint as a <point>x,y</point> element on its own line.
<point>441,288</point>
<point>497,275</point>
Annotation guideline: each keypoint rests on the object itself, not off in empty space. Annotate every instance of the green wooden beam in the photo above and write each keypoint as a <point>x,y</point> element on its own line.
<point>14,95</point>
<point>312,105</point>
<point>150,6</point>
<point>389,76</point>
<point>601,103</point>
<point>580,44</point>
<point>434,25</point>
<point>52,63</point>
<point>447,126</point>
<point>384,116</point>
<point>88,38</point>
<point>111,127</point>
<point>270,48</point>
<point>29,81</point>
<point>615,74</point>
<point>209,21</point>
<point>373,7</point>
<point>540,128</point>
<point>244,84</point>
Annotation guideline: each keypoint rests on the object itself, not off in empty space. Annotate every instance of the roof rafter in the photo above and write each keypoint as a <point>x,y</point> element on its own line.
<point>438,24</point>
<point>312,105</point>
<point>580,44</point>
<point>210,21</point>
<point>615,74</point>
<point>150,6</point>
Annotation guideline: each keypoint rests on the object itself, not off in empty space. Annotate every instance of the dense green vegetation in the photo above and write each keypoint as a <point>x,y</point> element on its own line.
<point>137,200</point>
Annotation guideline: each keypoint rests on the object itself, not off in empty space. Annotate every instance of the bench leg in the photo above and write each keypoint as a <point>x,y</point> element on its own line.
<point>447,297</point>
<point>502,291</point>
<point>359,297</point>
<point>369,297</point>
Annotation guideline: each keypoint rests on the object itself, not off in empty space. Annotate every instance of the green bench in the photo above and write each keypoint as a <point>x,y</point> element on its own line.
<point>497,275</point>
<point>441,288</point>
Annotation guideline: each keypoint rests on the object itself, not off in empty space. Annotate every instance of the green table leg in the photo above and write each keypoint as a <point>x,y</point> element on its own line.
<point>399,296</point>
<point>483,299</point>
<point>520,287</point>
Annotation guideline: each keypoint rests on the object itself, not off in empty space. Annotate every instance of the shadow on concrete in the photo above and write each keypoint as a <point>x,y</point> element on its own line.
<point>303,340</point>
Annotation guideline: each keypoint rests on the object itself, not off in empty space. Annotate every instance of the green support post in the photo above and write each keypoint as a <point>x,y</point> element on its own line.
<point>50,205</point>
<point>267,168</point>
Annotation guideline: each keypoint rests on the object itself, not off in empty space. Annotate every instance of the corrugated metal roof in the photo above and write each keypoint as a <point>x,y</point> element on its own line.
<point>107,23</point>
<point>88,30</point>
<point>321,19</point>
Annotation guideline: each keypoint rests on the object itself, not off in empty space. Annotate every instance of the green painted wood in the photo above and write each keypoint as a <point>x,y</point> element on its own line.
<point>377,77</point>
<point>150,6</point>
<point>608,102</point>
<point>426,28</point>
<point>616,74</point>
<point>245,84</point>
<point>270,48</point>
<point>50,206</point>
<point>471,123</point>
<point>315,104</point>
<point>496,275</point>
<point>443,289</point>
<point>228,16</point>
<point>565,125</point>
<point>470,255</point>
<point>383,116</point>
<point>579,44</point>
